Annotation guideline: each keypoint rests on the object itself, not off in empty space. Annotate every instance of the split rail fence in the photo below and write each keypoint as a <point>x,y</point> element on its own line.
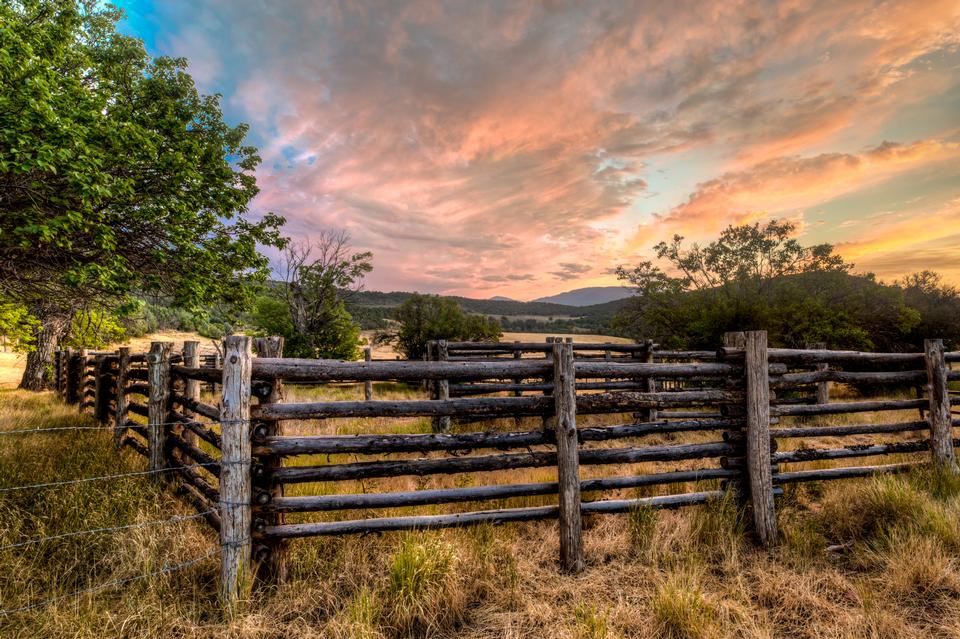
<point>244,462</point>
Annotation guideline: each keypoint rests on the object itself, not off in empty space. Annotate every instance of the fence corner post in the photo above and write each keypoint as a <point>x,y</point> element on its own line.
<point>235,472</point>
<point>158,408</point>
<point>941,427</point>
<point>759,469</point>
<point>120,421</point>
<point>568,457</point>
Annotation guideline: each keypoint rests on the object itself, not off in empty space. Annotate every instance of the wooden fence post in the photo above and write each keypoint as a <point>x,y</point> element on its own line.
<point>429,385</point>
<point>759,469</point>
<point>941,428</point>
<point>101,397</point>
<point>191,387</point>
<point>443,386</point>
<point>549,421</point>
<point>158,408</point>
<point>367,385</point>
<point>81,380</point>
<point>517,354</point>
<point>650,384</point>
<point>69,379</point>
<point>62,359</point>
<point>58,391</point>
<point>271,557</point>
<point>823,388</point>
<point>568,460</point>
<point>235,475</point>
<point>120,421</point>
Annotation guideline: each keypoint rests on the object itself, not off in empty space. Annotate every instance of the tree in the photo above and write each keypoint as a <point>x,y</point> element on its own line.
<point>116,175</point>
<point>423,318</point>
<point>17,327</point>
<point>938,305</point>
<point>318,276</point>
<point>758,277</point>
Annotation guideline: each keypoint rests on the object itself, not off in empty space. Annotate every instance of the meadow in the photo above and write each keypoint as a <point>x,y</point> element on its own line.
<point>861,558</point>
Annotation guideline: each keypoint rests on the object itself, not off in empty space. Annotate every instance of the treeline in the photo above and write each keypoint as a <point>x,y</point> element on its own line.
<point>757,277</point>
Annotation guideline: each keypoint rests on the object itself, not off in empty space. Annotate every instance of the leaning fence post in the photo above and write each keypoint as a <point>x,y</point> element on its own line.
<point>235,475</point>
<point>367,385</point>
<point>158,408</point>
<point>271,557</point>
<point>759,469</point>
<point>568,460</point>
<point>120,421</point>
<point>941,428</point>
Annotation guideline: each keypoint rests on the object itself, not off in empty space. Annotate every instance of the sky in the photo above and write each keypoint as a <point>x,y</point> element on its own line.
<point>527,148</point>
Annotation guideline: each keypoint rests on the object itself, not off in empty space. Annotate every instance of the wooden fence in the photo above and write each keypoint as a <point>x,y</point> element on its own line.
<point>268,484</point>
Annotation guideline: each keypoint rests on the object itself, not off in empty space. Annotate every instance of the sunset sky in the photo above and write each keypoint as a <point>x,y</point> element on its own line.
<point>526,148</point>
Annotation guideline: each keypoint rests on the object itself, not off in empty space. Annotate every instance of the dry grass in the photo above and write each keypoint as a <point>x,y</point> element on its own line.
<point>11,369</point>
<point>689,573</point>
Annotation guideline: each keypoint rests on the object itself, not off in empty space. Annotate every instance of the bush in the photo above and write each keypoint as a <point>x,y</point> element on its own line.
<point>423,318</point>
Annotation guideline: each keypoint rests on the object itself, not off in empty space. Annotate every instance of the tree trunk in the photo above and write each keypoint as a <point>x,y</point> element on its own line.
<point>36,376</point>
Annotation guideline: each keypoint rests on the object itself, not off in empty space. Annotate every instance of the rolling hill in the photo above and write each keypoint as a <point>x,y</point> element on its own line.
<point>373,309</point>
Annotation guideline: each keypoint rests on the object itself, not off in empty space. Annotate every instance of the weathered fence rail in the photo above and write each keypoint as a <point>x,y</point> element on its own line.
<point>237,461</point>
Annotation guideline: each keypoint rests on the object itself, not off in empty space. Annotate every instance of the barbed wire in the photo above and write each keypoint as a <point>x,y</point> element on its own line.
<point>110,584</point>
<point>77,533</point>
<point>111,429</point>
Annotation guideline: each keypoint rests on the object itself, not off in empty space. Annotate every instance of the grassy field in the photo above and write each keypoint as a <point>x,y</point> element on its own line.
<point>867,558</point>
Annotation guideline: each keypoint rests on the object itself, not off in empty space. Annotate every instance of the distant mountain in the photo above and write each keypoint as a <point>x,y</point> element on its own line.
<point>588,296</point>
<point>501,298</point>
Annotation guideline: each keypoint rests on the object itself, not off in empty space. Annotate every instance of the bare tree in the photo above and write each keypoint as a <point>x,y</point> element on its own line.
<point>319,276</point>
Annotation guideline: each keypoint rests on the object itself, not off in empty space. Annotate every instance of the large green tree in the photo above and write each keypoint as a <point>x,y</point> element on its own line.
<point>116,174</point>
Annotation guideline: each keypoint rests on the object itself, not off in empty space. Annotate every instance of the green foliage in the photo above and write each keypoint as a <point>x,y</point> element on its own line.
<point>336,337</point>
<point>755,277</point>
<point>116,174</point>
<point>429,317</point>
<point>152,317</point>
<point>18,327</point>
<point>94,329</point>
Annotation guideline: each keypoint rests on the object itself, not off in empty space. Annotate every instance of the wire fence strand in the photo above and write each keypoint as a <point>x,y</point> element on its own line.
<point>110,584</point>
<point>138,473</point>
<point>111,429</point>
<point>77,533</point>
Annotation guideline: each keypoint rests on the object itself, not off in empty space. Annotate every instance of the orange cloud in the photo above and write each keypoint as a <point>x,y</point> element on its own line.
<point>786,186</point>
<point>478,147</point>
